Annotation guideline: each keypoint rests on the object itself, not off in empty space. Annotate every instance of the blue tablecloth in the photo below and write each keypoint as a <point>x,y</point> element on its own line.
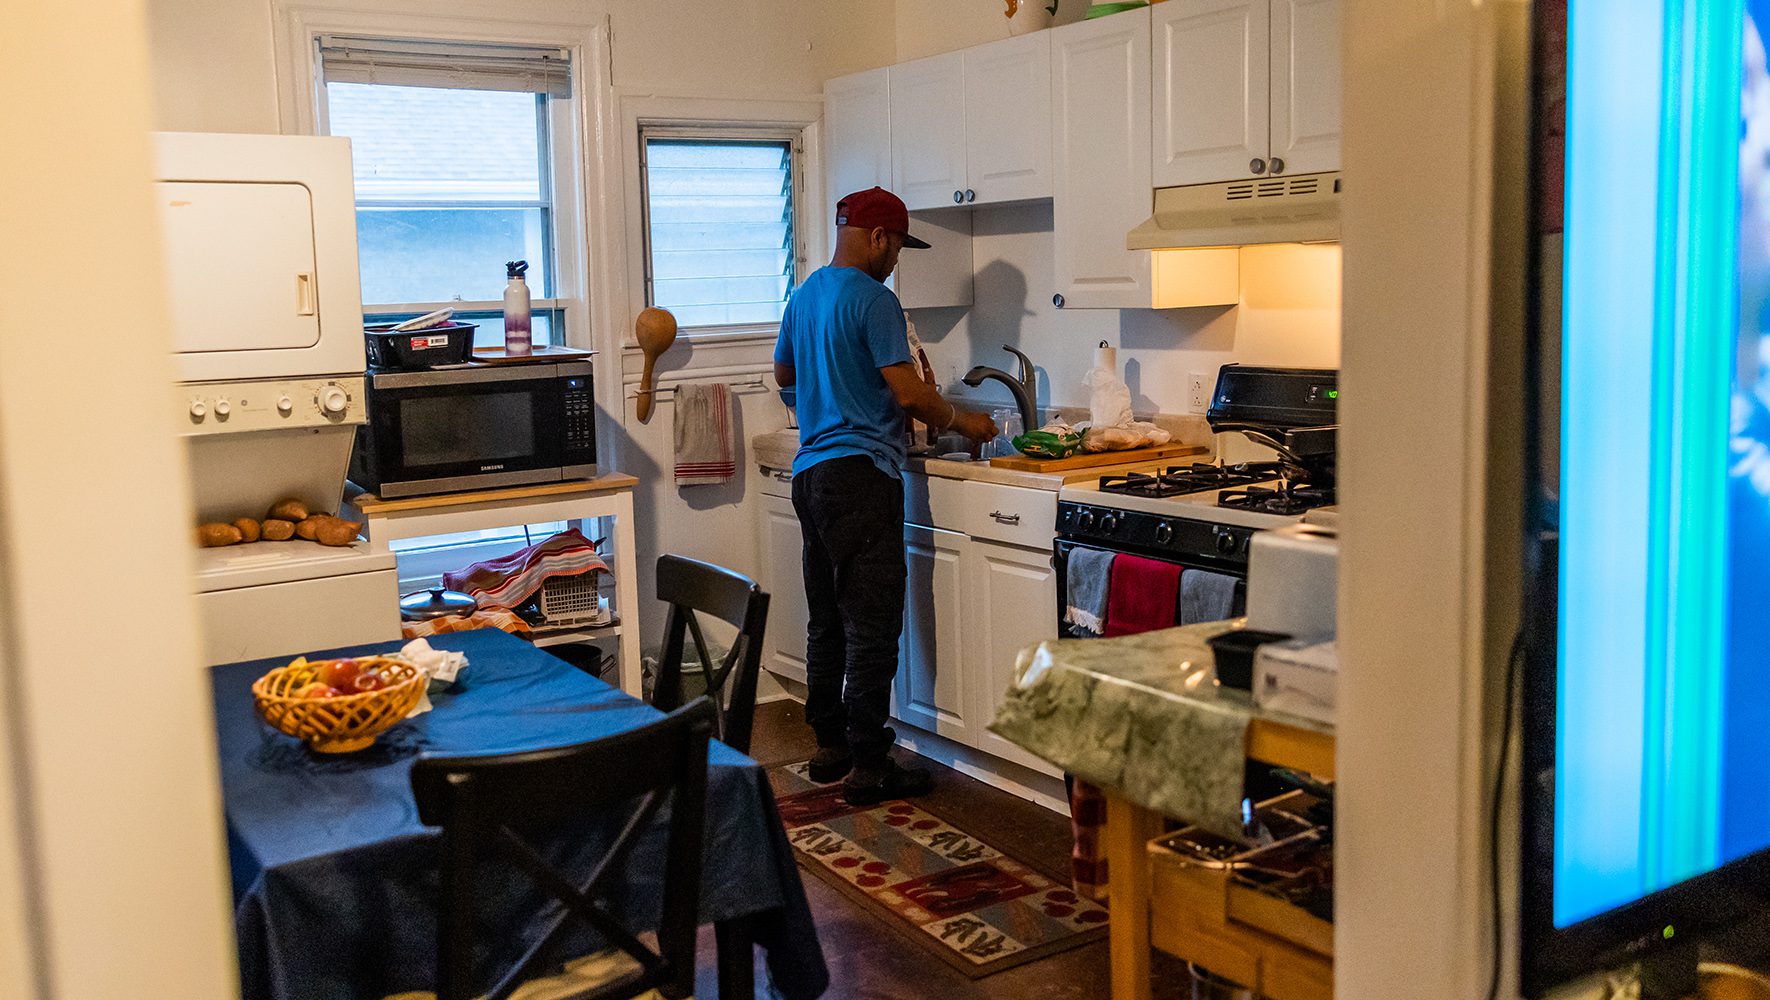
<point>336,881</point>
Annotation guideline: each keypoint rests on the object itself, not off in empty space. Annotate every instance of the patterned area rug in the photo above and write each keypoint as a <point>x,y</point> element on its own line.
<point>967,902</point>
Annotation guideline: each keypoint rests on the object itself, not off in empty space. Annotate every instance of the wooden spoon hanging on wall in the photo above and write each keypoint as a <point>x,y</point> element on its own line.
<point>655,331</point>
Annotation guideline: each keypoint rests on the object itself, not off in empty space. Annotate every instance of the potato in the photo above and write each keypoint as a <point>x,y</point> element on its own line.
<point>337,531</point>
<point>212,536</point>
<point>249,529</point>
<point>289,510</point>
<point>278,530</point>
<point>309,528</point>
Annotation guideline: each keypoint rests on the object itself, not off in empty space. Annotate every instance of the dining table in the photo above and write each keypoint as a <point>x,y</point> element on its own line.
<point>336,882</point>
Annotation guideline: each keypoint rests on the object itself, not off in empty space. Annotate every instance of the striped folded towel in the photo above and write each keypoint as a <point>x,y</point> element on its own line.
<point>498,618</point>
<point>509,580</point>
<point>704,455</point>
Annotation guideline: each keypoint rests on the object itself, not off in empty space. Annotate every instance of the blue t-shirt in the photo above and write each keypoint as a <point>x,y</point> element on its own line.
<point>841,327</point>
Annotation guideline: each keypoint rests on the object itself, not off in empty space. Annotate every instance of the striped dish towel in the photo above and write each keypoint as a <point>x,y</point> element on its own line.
<point>704,454</point>
<point>498,618</point>
<point>509,580</point>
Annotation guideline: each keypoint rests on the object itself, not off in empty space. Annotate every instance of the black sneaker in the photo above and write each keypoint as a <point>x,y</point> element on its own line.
<point>869,786</point>
<point>830,764</point>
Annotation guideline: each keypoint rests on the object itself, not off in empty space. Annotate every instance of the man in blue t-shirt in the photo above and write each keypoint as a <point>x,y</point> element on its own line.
<point>844,347</point>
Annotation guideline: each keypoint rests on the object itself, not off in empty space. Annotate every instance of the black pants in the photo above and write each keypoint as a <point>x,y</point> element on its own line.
<point>851,516</point>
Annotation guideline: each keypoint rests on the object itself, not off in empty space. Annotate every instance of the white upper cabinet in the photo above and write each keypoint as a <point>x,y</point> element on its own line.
<point>928,131</point>
<point>1008,120</point>
<point>1211,90</point>
<point>1101,160</point>
<point>1306,85</point>
<point>973,127</point>
<point>857,156</point>
<point>1245,88</point>
<point>857,132</point>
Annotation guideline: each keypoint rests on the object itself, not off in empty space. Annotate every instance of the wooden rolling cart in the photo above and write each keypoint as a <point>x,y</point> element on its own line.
<point>607,496</point>
<point>1199,913</point>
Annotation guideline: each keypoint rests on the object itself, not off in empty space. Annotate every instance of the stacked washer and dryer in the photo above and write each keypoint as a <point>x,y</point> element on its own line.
<point>261,252</point>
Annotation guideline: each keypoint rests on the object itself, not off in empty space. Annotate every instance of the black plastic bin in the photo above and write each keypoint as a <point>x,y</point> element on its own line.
<point>1234,651</point>
<point>408,350</point>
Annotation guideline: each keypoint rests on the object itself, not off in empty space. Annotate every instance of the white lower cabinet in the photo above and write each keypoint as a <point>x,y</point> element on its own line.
<point>971,603</point>
<point>933,678</point>
<point>1012,605</point>
<point>784,579</point>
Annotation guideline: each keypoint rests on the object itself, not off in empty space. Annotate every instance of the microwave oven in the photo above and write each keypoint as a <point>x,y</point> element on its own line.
<point>479,427</point>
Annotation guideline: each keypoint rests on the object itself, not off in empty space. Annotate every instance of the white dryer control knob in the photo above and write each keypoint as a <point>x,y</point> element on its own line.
<point>199,409</point>
<point>285,405</point>
<point>223,408</point>
<point>333,400</point>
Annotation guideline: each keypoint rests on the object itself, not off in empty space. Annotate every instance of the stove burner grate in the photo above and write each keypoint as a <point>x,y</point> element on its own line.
<point>1287,500</point>
<point>1179,480</point>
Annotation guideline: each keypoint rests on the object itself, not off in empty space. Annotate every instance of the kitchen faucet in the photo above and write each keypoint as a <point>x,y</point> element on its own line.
<point>1024,388</point>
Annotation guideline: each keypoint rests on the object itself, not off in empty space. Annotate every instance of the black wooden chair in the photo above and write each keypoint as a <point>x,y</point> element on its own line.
<point>483,801</point>
<point>690,586</point>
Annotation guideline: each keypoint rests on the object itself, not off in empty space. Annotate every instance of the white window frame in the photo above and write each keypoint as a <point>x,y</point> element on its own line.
<point>558,165</point>
<point>588,205</point>
<point>795,140</point>
<point>798,121</point>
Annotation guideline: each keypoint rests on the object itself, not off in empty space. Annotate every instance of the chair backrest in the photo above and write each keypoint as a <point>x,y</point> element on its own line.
<point>485,803</point>
<point>689,586</point>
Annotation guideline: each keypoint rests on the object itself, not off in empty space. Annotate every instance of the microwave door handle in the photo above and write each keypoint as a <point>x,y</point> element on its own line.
<point>305,304</point>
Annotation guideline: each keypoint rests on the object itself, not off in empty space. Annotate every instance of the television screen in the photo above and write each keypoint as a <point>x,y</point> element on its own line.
<point>1657,460</point>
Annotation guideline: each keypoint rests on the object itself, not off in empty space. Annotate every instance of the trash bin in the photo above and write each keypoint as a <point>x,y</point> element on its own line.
<point>694,683</point>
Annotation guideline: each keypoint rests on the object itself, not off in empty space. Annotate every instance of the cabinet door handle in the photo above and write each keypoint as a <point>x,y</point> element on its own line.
<point>1257,165</point>
<point>783,477</point>
<point>958,197</point>
<point>970,195</point>
<point>1057,300</point>
<point>1277,165</point>
<point>1005,518</point>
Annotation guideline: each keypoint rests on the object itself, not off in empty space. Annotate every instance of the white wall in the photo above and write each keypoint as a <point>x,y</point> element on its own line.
<point>1289,314</point>
<point>213,70</point>
<point>114,829</point>
<point>1429,465</point>
<point>930,27</point>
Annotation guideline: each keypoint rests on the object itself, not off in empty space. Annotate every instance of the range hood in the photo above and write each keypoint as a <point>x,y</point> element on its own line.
<point>1300,209</point>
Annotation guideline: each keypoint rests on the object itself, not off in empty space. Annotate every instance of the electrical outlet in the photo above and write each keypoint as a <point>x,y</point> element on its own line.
<point>1200,393</point>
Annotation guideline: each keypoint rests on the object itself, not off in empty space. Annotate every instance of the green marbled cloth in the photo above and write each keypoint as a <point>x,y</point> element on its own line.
<point>1142,715</point>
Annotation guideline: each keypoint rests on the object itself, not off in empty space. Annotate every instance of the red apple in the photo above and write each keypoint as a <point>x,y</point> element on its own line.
<point>317,690</point>
<point>341,674</point>
<point>368,681</point>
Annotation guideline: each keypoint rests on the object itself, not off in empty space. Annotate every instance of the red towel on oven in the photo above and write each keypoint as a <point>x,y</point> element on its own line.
<point>1144,595</point>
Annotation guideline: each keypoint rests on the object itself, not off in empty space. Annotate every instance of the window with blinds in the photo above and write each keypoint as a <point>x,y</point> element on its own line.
<point>453,156</point>
<point>722,249</point>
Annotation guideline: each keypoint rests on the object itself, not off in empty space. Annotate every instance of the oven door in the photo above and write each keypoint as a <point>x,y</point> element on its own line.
<point>1060,560</point>
<point>472,428</point>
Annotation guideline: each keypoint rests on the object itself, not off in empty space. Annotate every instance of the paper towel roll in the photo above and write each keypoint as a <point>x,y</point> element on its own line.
<point>1107,358</point>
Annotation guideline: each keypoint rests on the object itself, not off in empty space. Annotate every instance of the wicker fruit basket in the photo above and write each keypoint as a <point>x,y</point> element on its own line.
<point>342,723</point>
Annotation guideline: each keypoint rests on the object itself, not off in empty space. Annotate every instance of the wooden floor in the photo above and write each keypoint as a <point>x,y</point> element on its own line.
<point>870,958</point>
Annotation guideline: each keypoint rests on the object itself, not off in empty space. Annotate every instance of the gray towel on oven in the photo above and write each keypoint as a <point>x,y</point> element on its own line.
<point>1206,596</point>
<point>1090,571</point>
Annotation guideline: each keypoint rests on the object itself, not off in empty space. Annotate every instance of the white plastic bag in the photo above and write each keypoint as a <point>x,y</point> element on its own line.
<point>1109,398</point>
<point>1137,434</point>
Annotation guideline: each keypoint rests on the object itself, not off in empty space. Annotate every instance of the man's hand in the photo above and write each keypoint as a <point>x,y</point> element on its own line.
<point>975,426</point>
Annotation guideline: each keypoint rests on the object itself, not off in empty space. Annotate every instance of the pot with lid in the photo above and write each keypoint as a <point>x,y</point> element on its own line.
<point>426,605</point>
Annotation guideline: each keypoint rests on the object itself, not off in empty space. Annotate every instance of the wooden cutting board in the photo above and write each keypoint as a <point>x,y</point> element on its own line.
<point>1084,460</point>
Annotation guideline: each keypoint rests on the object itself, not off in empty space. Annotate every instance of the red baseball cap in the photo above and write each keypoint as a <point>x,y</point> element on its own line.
<point>877,208</point>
